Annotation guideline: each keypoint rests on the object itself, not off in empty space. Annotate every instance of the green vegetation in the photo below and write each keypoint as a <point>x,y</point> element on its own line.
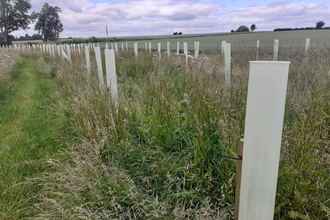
<point>319,24</point>
<point>48,22</point>
<point>28,37</point>
<point>158,154</point>
<point>242,28</point>
<point>253,27</point>
<point>211,43</point>
<point>13,16</point>
<point>32,129</point>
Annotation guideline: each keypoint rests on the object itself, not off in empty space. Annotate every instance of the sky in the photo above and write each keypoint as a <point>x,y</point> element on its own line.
<point>86,18</point>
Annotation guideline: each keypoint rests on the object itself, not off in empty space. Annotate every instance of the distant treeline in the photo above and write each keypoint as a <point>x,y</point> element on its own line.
<point>103,39</point>
<point>21,38</point>
<point>88,40</point>
<point>298,29</point>
<point>28,37</point>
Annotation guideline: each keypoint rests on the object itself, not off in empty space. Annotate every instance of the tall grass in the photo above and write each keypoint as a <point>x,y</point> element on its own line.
<point>159,154</point>
<point>32,129</point>
<point>8,60</point>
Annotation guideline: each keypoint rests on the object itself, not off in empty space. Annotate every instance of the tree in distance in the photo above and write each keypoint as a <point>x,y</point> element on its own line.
<point>48,23</point>
<point>13,16</point>
<point>242,28</point>
<point>319,24</point>
<point>253,27</point>
<point>28,37</point>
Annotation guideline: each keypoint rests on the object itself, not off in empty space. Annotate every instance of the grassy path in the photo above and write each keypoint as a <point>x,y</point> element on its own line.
<point>31,130</point>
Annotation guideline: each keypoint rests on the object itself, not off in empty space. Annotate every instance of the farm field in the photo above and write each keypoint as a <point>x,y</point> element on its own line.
<point>288,39</point>
<point>159,153</point>
<point>212,42</point>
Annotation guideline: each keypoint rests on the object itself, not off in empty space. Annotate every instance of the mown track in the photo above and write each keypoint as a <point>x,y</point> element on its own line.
<point>31,130</point>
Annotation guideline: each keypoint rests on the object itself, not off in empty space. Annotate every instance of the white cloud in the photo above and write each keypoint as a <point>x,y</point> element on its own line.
<point>82,18</point>
<point>252,4</point>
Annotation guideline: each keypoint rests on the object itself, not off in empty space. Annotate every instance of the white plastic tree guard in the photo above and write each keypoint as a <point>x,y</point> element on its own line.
<point>149,47</point>
<point>68,49</point>
<point>168,49</point>
<point>178,48</point>
<point>307,44</point>
<point>62,50</point>
<point>136,50</point>
<point>64,56</point>
<point>48,49</point>
<point>53,50</point>
<point>227,51</point>
<point>122,46</point>
<point>116,48</point>
<point>146,46</point>
<point>223,46</point>
<point>195,49</point>
<point>185,50</point>
<point>99,66</point>
<point>262,138</point>
<point>111,74</point>
<point>106,46</point>
<point>258,48</point>
<point>276,44</point>
<point>159,50</point>
<point>88,61</point>
<point>59,50</point>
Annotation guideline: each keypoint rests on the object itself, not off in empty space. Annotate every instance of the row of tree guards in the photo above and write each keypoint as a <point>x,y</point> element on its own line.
<point>257,176</point>
<point>148,47</point>
<point>225,49</point>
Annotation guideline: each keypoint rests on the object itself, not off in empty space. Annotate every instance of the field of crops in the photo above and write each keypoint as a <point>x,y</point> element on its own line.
<point>159,154</point>
<point>211,42</point>
<point>287,39</point>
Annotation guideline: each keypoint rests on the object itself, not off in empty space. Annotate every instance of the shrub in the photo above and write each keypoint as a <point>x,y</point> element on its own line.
<point>242,28</point>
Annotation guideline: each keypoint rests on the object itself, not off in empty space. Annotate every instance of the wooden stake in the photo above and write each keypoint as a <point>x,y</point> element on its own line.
<point>238,178</point>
